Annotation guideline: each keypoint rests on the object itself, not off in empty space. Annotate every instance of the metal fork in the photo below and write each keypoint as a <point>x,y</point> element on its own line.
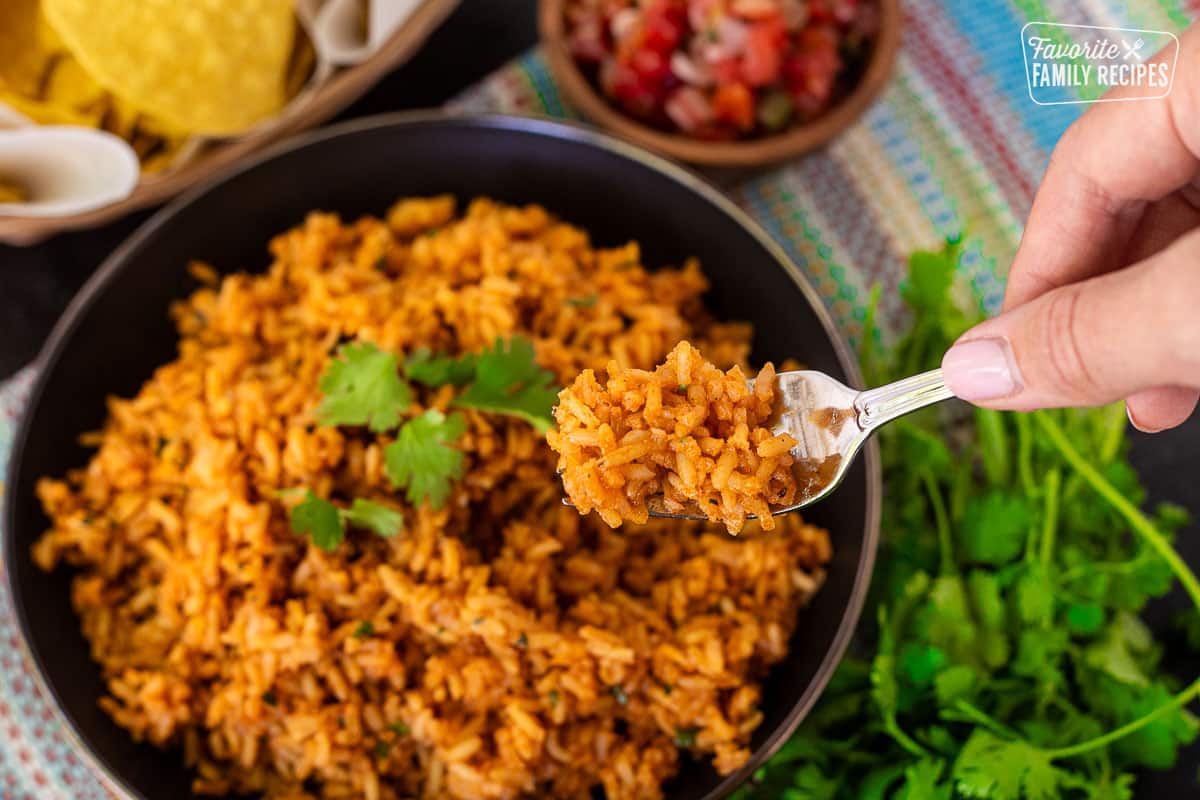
<point>830,422</point>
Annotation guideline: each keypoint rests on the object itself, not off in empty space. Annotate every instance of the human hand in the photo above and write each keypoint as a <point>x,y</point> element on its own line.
<point>1103,297</point>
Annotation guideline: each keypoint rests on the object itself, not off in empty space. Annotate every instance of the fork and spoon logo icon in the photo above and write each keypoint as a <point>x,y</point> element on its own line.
<point>1133,50</point>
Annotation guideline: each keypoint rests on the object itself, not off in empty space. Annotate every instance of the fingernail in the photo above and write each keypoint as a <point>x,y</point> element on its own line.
<point>1136,424</point>
<point>981,369</point>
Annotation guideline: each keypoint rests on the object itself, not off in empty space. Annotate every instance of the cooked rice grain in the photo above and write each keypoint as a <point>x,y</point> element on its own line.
<point>499,624</point>
<point>687,431</point>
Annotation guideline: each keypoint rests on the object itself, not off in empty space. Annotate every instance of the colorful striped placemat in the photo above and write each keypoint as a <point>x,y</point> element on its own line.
<point>954,146</point>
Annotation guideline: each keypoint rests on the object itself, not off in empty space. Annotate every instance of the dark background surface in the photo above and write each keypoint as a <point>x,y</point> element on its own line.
<point>36,283</point>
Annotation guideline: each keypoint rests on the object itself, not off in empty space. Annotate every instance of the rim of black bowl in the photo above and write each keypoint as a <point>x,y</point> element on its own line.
<point>534,125</point>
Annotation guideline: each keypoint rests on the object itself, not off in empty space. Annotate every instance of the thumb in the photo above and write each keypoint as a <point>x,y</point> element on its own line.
<point>1091,342</point>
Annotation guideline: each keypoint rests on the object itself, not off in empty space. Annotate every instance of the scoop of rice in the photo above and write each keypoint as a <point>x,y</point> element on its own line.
<point>686,430</point>
<point>500,647</point>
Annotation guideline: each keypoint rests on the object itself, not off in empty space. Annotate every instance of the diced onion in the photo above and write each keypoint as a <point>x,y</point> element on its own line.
<point>688,108</point>
<point>733,34</point>
<point>689,71</point>
<point>624,22</point>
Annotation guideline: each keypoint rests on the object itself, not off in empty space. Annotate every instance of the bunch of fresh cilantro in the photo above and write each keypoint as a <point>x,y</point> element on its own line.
<point>362,387</point>
<point>1002,655</point>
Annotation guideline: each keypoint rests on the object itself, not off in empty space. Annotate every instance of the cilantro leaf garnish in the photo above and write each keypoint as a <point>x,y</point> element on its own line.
<point>508,380</point>
<point>434,370</point>
<point>320,520</point>
<point>362,386</point>
<point>375,517</point>
<point>922,781</point>
<point>993,527</point>
<point>992,768</point>
<point>325,524</point>
<point>421,460</point>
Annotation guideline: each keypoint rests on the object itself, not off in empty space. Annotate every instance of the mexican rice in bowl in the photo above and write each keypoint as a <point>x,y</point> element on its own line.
<point>493,643</point>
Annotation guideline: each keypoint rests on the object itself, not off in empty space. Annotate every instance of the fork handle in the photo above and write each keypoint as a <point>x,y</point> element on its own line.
<point>879,406</point>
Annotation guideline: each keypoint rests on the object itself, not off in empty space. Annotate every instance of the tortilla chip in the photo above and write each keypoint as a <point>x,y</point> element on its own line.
<point>45,113</point>
<point>39,78</point>
<point>215,67</point>
<point>68,84</point>
<point>301,63</point>
<point>25,53</point>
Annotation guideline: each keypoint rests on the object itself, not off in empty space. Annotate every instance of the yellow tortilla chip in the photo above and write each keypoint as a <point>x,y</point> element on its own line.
<point>301,63</point>
<point>38,77</point>
<point>46,114</point>
<point>68,84</point>
<point>25,54</point>
<point>214,67</point>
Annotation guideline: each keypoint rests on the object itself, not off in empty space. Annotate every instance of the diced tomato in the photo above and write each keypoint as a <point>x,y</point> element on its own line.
<point>812,70</point>
<point>820,11</point>
<point>662,25</point>
<point>727,70</point>
<point>621,82</point>
<point>650,65</point>
<point>755,9</point>
<point>817,37</point>
<point>734,103</point>
<point>763,58</point>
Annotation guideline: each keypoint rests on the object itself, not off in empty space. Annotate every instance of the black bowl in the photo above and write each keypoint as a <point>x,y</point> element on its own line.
<point>117,331</point>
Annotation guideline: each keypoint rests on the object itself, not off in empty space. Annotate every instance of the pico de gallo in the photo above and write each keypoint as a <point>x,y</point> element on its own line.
<point>722,69</point>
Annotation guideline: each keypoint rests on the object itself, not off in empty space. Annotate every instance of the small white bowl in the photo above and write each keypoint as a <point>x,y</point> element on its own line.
<point>66,170</point>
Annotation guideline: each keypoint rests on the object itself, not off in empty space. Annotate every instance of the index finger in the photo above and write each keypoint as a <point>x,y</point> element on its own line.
<point>1107,166</point>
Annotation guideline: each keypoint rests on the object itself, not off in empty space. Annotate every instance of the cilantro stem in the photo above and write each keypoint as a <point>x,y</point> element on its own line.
<point>917,339</point>
<point>892,726</point>
<point>945,544</point>
<point>1178,701</point>
<point>1025,455</point>
<point>1050,523</point>
<point>1114,432</point>
<point>1144,528</point>
<point>971,713</point>
<point>994,448</point>
<point>960,491</point>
